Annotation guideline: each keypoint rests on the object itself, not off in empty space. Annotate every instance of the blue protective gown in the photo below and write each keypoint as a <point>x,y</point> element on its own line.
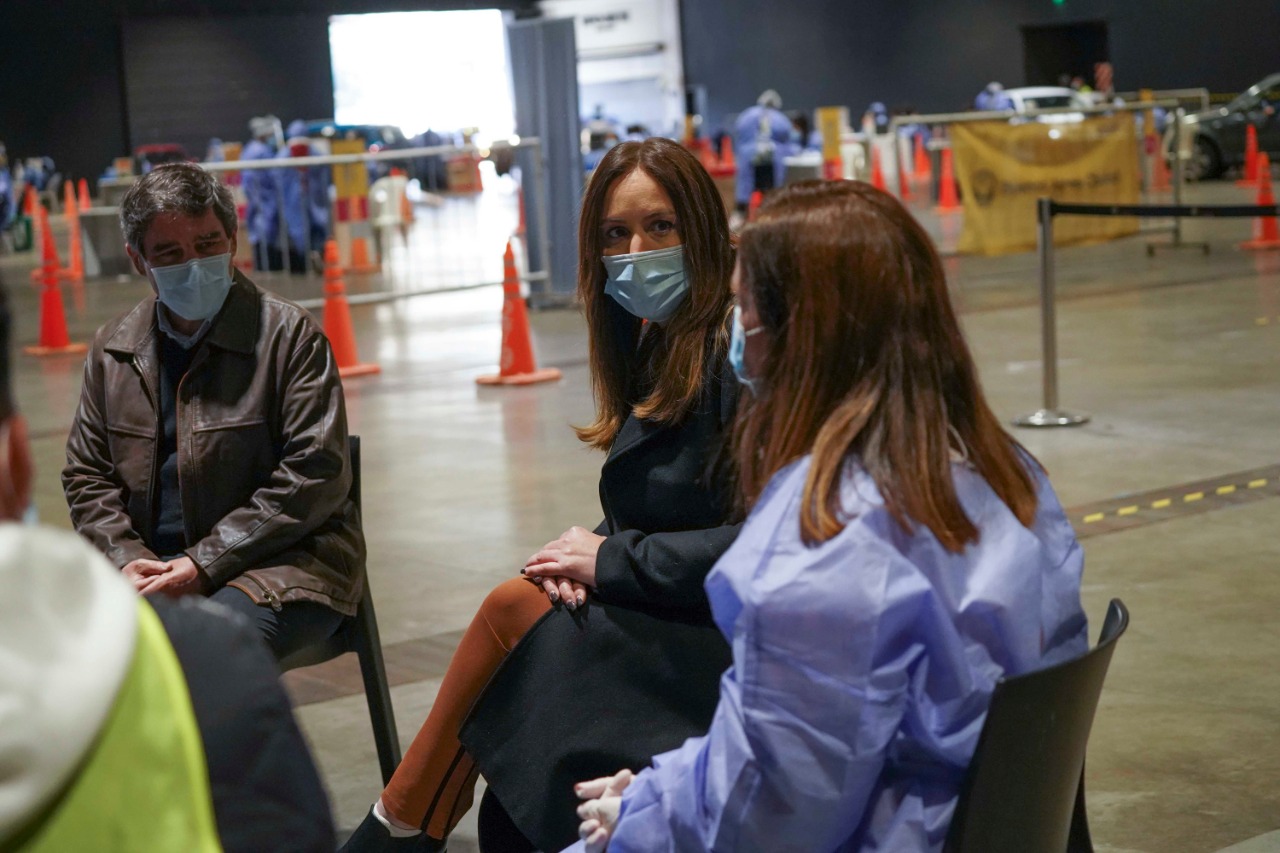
<point>747,137</point>
<point>862,671</point>
<point>306,198</point>
<point>262,215</point>
<point>8,203</point>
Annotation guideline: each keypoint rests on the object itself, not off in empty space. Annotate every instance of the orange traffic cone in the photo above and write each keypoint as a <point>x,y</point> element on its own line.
<point>923,171</point>
<point>1250,157</point>
<point>75,249</point>
<point>45,236</point>
<point>360,263</point>
<point>726,154</point>
<point>904,184</point>
<point>517,366</point>
<point>83,189</point>
<point>29,202</point>
<point>54,339</point>
<point>877,174</point>
<point>948,197</point>
<point>1266,234</point>
<point>753,204</point>
<point>337,318</point>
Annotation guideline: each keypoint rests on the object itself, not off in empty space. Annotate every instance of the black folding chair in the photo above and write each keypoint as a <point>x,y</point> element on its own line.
<point>1024,791</point>
<point>359,634</point>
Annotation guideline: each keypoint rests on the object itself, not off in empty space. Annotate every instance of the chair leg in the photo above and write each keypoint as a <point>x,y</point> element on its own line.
<point>376,690</point>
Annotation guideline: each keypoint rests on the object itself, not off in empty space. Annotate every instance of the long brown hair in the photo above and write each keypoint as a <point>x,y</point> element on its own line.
<point>864,358</point>
<point>690,343</point>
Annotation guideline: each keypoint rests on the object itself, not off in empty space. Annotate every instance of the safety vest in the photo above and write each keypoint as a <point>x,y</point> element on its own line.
<point>144,785</point>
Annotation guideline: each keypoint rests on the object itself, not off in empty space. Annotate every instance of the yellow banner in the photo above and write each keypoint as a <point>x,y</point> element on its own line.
<point>1003,168</point>
<point>351,182</point>
<point>831,123</point>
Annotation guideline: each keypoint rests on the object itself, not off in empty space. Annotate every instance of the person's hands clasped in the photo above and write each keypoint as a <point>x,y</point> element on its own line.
<point>175,578</point>
<point>564,567</point>
<point>600,811</point>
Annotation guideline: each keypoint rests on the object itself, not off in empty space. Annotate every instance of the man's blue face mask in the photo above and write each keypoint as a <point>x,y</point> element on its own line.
<point>196,289</point>
<point>651,284</point>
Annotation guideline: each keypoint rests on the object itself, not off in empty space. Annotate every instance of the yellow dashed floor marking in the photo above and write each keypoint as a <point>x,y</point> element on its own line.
<point>1203,499</point>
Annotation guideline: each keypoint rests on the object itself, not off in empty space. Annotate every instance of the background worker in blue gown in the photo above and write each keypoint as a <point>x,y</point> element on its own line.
<point>262,194</point>
<point>761,142</point>
<point>305,195</point>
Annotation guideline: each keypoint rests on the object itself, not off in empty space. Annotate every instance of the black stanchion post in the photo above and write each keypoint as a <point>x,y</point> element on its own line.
<point>1050,415</point>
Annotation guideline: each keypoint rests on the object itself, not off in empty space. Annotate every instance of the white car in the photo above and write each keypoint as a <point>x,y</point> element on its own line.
<point>1027,98</point>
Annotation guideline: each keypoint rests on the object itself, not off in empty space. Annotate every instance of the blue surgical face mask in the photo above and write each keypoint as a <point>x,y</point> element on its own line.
<point>738,348</point>
<point>194,290</point>
<point>648,284</point>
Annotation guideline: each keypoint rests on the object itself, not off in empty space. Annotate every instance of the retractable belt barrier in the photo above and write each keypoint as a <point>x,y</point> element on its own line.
<point>1046,209</point>
<point>1221,211</point>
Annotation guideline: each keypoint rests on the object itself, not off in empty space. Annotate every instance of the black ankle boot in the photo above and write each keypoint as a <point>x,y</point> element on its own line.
<point>372,837</point>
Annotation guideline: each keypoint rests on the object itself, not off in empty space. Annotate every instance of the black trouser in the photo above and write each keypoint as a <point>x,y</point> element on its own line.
<point>296,625</point>
<point>763,176</point>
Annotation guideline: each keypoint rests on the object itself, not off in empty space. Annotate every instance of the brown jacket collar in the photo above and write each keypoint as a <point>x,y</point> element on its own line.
<point>235,329</point>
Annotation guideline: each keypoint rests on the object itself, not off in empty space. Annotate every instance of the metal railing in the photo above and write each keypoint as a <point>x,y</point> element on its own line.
<point>538,273</point>
<point>1176,124</point>
<point>1198,96</point>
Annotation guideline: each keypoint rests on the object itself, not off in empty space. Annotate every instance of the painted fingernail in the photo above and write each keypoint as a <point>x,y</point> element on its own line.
<point>571,604</point>
<point>582,598</point>
<point>522,571</point>
<point>555,599</point>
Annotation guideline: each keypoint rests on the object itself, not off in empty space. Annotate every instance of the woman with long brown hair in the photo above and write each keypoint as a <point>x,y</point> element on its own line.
<point>902,554</point>
<point>571,682</point>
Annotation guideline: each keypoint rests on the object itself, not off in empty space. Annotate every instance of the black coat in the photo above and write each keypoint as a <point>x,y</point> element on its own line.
<point>266,792</point>
<point>636,670</point>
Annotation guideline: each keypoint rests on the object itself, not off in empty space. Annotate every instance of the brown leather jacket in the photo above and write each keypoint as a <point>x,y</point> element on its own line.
<point>262,452</point>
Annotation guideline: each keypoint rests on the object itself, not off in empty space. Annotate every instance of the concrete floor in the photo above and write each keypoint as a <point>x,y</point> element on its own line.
<point>1176,356</point>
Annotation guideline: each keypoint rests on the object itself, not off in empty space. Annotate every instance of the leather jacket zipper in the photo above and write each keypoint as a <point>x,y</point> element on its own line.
<point>267,593</point>
<point>153,480</point>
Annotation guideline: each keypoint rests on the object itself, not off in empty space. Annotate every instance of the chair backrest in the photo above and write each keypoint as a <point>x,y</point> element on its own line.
<point>1022,785</point>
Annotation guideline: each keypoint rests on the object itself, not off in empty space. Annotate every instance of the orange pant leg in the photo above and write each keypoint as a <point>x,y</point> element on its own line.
<point>435,783</point>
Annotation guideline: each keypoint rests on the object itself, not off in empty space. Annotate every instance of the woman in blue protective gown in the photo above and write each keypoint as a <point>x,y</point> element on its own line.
<point>902,554</point>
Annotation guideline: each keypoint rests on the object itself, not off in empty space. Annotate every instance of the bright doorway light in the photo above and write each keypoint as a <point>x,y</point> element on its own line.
<point>422,70</point>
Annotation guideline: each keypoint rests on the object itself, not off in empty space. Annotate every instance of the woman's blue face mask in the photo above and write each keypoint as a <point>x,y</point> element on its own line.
<point>650,284</point>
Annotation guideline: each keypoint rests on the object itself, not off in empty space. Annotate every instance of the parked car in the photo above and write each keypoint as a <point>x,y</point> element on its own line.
<point>147,157</point>
<point>1215,138</point>
<point>429,171</point>
<point>377,137</point>
<point>1028,98</point>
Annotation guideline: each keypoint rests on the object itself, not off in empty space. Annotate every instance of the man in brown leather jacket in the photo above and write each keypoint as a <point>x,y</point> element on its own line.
<point>209,451</point>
